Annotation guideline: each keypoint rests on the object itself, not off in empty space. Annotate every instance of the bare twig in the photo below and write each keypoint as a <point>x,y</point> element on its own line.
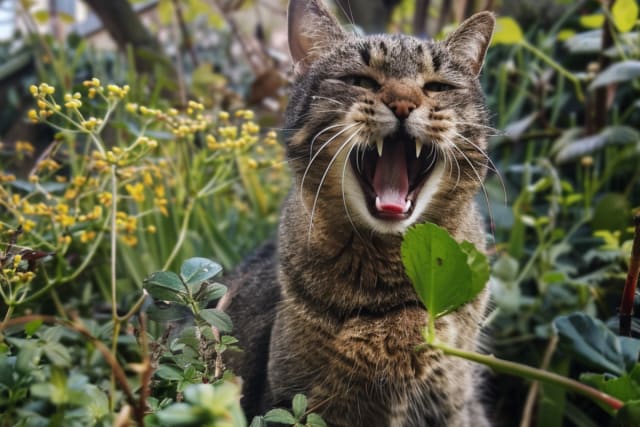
<point>186,37</point>
<point>629,293</point>
<point>527,412</point>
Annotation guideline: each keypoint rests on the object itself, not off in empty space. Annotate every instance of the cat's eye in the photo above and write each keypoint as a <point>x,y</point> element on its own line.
<point>438,87</point>
<point>361,81</point>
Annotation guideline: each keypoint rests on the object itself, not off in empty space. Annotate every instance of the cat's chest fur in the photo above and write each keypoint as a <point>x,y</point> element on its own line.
<point>383,132</point>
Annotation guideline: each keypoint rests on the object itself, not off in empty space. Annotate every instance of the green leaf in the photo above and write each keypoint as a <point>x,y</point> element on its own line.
<point>258,421</point>
<point>217,318</point>
<point>299,405</point>
<point>629,414</point>
<point>589,340</point>
<point>440,269</point>
<point>612,213</point>
<point>28,357</point>
<point>611,135</point>
<point>622,71</point>
<point>165,285</point>
<point>179,414</point>
<point>57,353</point>
<point>41,16</point>
<point>625,388</point>
<point>279,416</point>
<point>196,270</point>
<point>315,420</point>
<point>624,14</point>
<point>507,32</point>
<point>592,21</point>
<point>170,373</point>
<point>211,291</point>
<point>479,266</point>
<point>32,327</point>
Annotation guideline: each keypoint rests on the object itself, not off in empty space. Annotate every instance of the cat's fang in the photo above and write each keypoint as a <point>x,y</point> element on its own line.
<point>418,148</point>
<point>379,144</point>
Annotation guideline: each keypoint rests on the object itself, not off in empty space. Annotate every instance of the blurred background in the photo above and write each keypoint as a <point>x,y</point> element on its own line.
<point>189,130</point>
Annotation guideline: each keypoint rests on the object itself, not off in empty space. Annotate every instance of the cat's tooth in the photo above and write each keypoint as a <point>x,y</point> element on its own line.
<point>418,148</point>
<point>379,144</point>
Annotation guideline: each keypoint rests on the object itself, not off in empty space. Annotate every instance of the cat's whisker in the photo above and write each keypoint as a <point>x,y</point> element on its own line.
<point>482,187</point>
<point>322,147</point>
<point>326,172</point>
<point>317,135</point>
<point>492,165</point>
<point>342,181</point>
<point>328,99</point>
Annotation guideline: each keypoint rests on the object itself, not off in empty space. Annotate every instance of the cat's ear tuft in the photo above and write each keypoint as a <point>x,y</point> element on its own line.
<point>312,29</point>
<point>471,39</point>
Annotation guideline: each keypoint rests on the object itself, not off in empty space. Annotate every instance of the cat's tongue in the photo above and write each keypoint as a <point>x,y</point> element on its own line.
<point>390,180</point>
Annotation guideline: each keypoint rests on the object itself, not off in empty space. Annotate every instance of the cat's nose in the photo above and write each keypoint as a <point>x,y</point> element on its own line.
<point>402,108</point>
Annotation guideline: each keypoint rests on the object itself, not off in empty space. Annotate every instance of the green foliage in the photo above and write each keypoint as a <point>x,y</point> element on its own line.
<point>591,342</point>
<point>297,417</point>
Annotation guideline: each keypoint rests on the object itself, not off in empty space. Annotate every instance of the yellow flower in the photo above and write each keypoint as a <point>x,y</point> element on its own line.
<point>7,178</point>
<point>151,229</point>
<point>24,147</point>
<point>136,191</point>
<point>105,198</point>
<point>147,179</point>
<point>129,240</point>
<point>33,116</point>
<point>71,193</point>
<point>252,163</point>
<point>16,260</point>
<point>28,225</point>
<point>65,240</point>
<point>87,236</point>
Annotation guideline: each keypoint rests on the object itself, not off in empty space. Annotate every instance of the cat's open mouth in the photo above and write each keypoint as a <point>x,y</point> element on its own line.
<point>392,173</point>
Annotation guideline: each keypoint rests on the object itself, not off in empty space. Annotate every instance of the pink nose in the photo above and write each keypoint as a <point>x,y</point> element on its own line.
<point>402,108</point>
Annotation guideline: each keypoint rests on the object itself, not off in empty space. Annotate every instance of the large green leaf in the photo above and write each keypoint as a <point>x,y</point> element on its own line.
<point>196,270</point>
<point>590,341</point>
<point>444,274</point>
<point>165,285</point>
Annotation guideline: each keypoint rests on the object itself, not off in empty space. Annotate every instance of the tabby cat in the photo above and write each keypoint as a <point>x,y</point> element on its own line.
<point>383,132</point>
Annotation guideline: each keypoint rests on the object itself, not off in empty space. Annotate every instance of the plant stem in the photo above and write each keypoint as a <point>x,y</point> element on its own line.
<point>524,371</point>
<point>183,233</point>
<point>559,68</point>
<point>629,292</point>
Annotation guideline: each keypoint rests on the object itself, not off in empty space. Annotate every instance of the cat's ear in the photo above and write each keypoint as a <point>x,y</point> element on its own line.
<point>312,29</point>
<point>471,39</point>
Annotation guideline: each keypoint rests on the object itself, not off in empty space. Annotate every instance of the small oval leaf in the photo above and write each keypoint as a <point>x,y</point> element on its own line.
<point>592,21</point>
<point>507,32</point>
<point>299,405</point>
<point>279,416</point>
<point>196,270</point>
<point>165,285</point>
<point>217,318</point>
<point>624,14</point>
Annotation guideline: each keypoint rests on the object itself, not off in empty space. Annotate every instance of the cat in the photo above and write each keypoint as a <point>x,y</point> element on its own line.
<point>383,132</point>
